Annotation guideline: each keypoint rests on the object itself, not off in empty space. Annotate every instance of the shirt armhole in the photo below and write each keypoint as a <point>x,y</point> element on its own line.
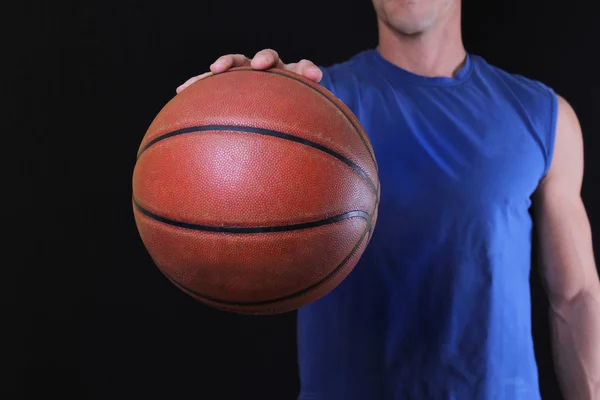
<point>551,134</point>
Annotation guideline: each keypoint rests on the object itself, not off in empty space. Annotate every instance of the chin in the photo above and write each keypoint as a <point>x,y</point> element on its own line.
<point>411,28</point>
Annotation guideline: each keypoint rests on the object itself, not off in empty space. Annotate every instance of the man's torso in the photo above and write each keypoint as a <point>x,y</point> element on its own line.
<point>438,306</point>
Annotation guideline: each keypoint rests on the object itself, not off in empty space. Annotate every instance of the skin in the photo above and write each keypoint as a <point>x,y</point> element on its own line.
<point>425,38</point>
<point>568,270</point>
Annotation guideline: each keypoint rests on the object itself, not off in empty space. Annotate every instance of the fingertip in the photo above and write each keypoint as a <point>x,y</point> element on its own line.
<point>318,77</point>
<point>219,66</point>
<point>314,73</point>
<point>261,62</point>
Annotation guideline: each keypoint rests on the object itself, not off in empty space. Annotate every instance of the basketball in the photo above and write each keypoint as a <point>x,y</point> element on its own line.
<point>255,192</point>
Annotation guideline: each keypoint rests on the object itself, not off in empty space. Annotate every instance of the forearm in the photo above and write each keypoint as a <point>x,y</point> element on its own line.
<point>576,344</point>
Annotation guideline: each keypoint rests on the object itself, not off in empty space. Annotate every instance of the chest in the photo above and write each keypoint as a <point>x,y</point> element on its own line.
<point>452,148</point>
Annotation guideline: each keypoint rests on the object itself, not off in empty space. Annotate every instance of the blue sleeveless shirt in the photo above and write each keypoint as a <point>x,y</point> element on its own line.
<point>438,306</point>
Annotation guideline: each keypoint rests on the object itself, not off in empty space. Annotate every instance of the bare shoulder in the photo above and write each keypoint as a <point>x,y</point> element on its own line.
<point>566,169</point>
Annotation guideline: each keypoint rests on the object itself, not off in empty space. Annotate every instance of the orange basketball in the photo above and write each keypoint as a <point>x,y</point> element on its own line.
<point>255,192</point>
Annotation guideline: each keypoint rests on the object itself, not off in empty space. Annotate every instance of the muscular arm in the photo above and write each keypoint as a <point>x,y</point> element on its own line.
<point>568,267</point>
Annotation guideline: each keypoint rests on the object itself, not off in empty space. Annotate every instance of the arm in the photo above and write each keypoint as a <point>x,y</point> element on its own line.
<point>568,268</point>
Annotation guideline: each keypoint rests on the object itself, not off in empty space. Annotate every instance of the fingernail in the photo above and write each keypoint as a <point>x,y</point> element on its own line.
<point>220,61</point>
<point>262,59</point>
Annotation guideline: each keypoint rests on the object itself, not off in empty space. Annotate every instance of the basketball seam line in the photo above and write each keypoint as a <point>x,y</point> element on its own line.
<point>254,229</point>
<point>362,138</point>
<point>266,132</point>
<point>318,90</point>
<point>358,131</point>
<point>328,277</point>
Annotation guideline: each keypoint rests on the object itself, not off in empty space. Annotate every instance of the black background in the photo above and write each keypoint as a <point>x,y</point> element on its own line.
<point>94,318</point>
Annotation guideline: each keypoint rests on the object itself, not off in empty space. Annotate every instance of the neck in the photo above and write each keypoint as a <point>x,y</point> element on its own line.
<point>436,53</point>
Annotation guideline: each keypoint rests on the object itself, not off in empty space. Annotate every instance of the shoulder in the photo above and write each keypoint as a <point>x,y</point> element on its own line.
<point>529,92</point>
<point>535,102</point>
<point>347,76</point>
<point>568,154</point>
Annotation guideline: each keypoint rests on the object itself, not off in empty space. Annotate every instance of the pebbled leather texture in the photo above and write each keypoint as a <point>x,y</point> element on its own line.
<point>255,191</point>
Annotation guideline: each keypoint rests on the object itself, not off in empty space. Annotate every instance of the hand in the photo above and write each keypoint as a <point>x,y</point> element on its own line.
<point>264,59</point>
